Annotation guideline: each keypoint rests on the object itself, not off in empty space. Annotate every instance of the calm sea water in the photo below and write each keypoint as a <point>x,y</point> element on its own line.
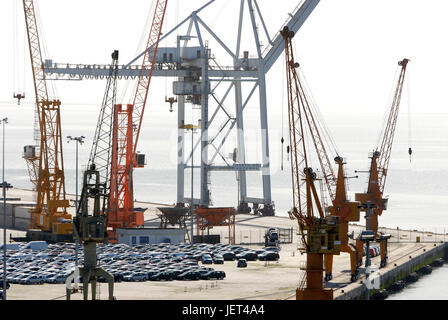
<point>429,287</point>
<point>418,192</point>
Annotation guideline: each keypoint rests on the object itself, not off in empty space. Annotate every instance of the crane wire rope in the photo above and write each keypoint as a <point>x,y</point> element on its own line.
<point>53,93</point>
<point>327,136</point>
<point>408,93</point>
<point>125,88</point>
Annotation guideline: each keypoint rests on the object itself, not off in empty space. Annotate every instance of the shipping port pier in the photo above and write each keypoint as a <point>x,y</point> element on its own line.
<point>408,251</point>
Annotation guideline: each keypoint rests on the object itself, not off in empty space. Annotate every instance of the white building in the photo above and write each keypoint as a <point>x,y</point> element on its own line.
<point>134,236</point>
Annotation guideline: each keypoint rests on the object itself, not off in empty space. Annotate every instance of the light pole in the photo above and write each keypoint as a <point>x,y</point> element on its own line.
<point>5,186</point>
<point>78,140</point>
<point>193,129</point>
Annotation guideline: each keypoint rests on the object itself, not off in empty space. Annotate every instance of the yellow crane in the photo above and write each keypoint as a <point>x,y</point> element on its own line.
<point>49,218</point>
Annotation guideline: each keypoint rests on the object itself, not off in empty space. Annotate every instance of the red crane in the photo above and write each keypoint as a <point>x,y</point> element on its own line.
<point>380,164</point>
<point>126,131</point>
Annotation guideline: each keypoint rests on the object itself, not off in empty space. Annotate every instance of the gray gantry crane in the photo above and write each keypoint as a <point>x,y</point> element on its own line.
<point>90,228</point>
<point>207,83</point>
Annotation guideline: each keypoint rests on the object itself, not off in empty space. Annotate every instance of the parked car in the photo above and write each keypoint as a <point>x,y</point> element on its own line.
<point>248,255</point>
<point>377,251</point>
<point>32,279</point>
<point>206,259</point>
<point>228,255</point>
<point>269,256</point>
<point>218,259</point>
<point>219,275</point>
<point>242,263</point>
<point>189,275</point>
<point>272,248</point>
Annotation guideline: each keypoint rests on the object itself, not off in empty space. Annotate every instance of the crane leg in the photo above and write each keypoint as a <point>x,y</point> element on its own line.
<point>110,281</point>
<point>85,280</point>
<point>328,263</point>
<point>383,253</point>
<point>360,251</point>
<point>93,283</point>
<point>353,260</point>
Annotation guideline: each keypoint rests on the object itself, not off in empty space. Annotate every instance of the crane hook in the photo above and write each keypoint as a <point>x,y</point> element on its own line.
<point>410,154</point>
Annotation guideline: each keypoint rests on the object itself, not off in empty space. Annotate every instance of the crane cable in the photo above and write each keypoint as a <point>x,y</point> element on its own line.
<point>409,118</point>
<point>138,50</point>
<point>283,111</point>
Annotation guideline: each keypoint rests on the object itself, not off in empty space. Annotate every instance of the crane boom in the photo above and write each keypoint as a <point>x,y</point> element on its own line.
<point>388,137</point>
<point>144,80</point>
<point>51,202</point>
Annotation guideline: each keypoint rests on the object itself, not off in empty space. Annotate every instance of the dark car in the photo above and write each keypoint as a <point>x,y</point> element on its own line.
<point>7,284</point>
<point>269,256</point>
<point>189,275</point>
<point>242,263</point>
<point>248,255</point>
<point>219,275</point>
<point>228,255</point>
<point>164,275</point>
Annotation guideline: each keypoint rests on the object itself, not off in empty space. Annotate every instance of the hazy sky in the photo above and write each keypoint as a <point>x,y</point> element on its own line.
<point>348,50</point>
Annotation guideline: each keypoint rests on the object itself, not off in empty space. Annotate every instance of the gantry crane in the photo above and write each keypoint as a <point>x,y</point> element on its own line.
<point>45,162</point>
<point>126,130</point>
<point>379,165</point>
<point>320,233</point>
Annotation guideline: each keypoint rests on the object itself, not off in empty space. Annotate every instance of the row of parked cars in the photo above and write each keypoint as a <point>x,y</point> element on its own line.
<point>146,262</point>
<point>374,251</point>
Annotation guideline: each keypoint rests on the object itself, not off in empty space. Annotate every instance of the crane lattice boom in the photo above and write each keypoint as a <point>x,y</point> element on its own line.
<point>50,184</point>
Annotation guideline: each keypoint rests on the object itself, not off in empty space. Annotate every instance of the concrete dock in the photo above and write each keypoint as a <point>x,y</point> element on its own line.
<point>260,280</point>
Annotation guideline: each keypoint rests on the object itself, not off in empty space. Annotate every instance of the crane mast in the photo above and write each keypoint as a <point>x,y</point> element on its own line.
<point>379,166</point>
<point>320,233</point>
<point>46,164</point>
<point>126,131</point>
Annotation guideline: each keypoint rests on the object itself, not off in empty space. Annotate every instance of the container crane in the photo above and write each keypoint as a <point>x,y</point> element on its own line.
<point>379,166</point>
<point>126,130</point>
<point>320,233</point>
<point>49,218</point>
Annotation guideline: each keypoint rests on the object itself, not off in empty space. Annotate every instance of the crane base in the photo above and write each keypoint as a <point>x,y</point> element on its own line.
<point>38,235</point>
<point>314,294</point>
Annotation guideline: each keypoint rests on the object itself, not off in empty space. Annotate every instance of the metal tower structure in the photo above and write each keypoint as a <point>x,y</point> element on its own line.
<point>45,160</point>
<point>205,83</point>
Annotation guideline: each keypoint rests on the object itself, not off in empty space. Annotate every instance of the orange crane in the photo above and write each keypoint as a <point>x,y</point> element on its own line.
<point>45,162</point>
<point>320,233</point>
<point>341,207</point>
<point>379,166</point>
<point>126,130</point>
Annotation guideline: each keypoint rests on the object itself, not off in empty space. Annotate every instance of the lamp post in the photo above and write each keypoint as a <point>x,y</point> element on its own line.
<point>193,129</point>
<point>78,140</point>
<point>5,186</point>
